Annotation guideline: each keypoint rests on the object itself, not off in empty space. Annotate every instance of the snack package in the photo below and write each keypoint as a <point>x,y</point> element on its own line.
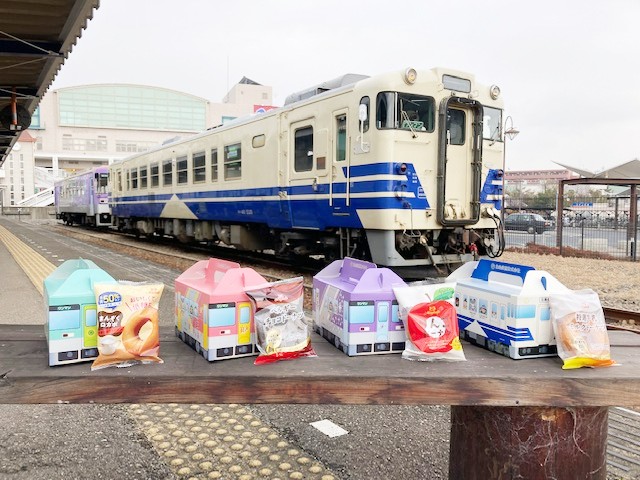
<point>431,326</point>
<point>580,329</point>
<point>128,328</point>
<point>281,330</point>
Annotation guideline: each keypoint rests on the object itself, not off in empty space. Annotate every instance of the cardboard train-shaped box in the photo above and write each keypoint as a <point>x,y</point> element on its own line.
<point>213,314</point>
<point>355,309</point>
<point>71,324</point>
<point>505,308</point>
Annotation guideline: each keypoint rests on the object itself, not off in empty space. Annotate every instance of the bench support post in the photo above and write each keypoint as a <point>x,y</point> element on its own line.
<point>528,442</point>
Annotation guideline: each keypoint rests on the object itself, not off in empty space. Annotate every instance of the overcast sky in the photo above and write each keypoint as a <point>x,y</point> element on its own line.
<point>569,70</point>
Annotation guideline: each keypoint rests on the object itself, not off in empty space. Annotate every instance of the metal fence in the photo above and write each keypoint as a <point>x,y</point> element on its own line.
<point>588,227</point>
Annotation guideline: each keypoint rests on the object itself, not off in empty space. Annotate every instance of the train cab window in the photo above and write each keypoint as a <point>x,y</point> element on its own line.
<point>366,102</point>
<point>134,178</point>
<point>455,126</point>
<point>102,180</point>
<point>405,111</point>
<point>143,176</point>
<point>155,175</point>
<point>199,167</point>
<point>182,173</point>
<point>303,146</point>
<point>214,164</point>
<point>167,173</point>
<point>341,138</point>
<point>232,161</point>
<point>491,121</point>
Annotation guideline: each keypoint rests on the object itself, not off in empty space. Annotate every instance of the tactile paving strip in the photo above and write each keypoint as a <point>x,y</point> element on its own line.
<point>222,441</point>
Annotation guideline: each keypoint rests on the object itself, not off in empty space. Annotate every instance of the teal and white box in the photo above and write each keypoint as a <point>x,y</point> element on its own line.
<point>71,324</point>
<point>504,308</point>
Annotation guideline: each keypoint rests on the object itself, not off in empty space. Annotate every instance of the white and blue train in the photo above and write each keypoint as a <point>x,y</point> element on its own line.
<point>404,169</point>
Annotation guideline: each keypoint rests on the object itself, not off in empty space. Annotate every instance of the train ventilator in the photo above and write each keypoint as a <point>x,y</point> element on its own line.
<point>403,169</point>
<point>71,326</point>
<point>213,313</point>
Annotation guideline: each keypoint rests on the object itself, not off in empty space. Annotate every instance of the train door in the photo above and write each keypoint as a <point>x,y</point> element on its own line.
<point>339,189</point>
<point>244,323</point>
<point>307,173</point>
<point>459,162</point>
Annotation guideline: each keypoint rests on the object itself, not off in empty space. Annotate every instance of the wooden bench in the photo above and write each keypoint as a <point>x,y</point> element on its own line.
<point>510,418</point>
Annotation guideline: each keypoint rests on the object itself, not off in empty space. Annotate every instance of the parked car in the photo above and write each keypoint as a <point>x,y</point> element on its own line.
<point>527,222</point>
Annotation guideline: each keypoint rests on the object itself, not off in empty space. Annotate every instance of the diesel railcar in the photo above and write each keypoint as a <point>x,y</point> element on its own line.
<point>403,168</point>
<point>83,198</point>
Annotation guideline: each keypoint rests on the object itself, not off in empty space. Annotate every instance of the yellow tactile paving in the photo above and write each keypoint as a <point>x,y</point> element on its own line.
<point>222,441</point>
<point>34,265</point>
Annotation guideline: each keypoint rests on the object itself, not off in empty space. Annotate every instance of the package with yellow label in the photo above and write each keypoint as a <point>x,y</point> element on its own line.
<point>128,325</point>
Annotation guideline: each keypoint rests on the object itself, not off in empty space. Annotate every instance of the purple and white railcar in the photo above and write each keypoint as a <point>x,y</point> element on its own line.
<point>83,198</point>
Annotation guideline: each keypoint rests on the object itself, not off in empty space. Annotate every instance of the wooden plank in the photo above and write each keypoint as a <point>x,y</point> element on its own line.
<point>332,377</point>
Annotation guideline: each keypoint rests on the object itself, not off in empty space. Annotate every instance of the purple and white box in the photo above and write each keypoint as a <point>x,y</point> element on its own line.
<point>354,307</point>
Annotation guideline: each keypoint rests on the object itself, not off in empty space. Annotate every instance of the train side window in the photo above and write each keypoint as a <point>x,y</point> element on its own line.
<point>128,173</point>
<point>143,176</point>
<point>232,161</point>
<point>214,164</point>
<point>303,146</point>
<point>167,173</point>
<point>182,173</point>
<point>199,167</point>
<point>455,126</point>
<point>155,175</point>
<point>134,178</point>
<point>341,138</point>
<point>366,102</point>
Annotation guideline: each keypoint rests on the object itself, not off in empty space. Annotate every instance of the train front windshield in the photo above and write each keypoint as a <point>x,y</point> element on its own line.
<point>405,111</point>
<point>102,179</point>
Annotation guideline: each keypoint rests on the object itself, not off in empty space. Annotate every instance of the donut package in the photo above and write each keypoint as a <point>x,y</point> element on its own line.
<point>281,329</point>
<point>128,326</point>
<point>580,329</point>
<point>431,323</point>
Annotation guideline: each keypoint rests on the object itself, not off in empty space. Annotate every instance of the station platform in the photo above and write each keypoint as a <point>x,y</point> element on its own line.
<point>237,441</point>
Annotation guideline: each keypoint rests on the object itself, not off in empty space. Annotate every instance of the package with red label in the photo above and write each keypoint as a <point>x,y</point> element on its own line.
<point>431,326</point>
<point>281,329</point>
<point>128,327</point>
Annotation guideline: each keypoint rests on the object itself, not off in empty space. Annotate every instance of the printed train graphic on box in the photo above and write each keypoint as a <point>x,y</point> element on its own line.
<point>355,309</point>
<point>213,314</point>
<point>505,308</point>
<point>71,324</point>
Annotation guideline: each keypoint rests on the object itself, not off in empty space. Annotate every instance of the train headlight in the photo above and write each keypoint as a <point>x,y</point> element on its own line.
<point>494,91</point>
<point>410,76</point>
<point>401,168</point>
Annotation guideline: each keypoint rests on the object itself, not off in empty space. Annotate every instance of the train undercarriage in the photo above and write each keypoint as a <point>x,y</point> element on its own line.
<point>443,249</point>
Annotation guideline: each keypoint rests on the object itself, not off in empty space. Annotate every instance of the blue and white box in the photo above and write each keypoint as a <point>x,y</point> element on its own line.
<point>504,308</point>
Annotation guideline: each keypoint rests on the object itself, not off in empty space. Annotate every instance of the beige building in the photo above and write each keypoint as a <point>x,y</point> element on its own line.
<point>76,128</point>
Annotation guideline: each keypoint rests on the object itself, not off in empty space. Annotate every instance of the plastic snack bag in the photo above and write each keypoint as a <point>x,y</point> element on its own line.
<point>128,328</point>
<point>281,330</point>
<point>580,329</point>
<point>431,326</point>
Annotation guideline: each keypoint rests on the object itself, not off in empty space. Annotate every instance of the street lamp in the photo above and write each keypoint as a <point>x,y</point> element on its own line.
<point>510,132</point>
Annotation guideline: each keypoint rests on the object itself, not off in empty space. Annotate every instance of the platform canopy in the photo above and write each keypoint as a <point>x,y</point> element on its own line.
<point>627,170</point>
<point>36,36</point>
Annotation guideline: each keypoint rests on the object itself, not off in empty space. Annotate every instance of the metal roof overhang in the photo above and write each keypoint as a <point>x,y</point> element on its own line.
<point>36,37</point>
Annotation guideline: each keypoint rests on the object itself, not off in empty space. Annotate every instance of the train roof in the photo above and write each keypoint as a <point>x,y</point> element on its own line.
<point>342,81</point>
